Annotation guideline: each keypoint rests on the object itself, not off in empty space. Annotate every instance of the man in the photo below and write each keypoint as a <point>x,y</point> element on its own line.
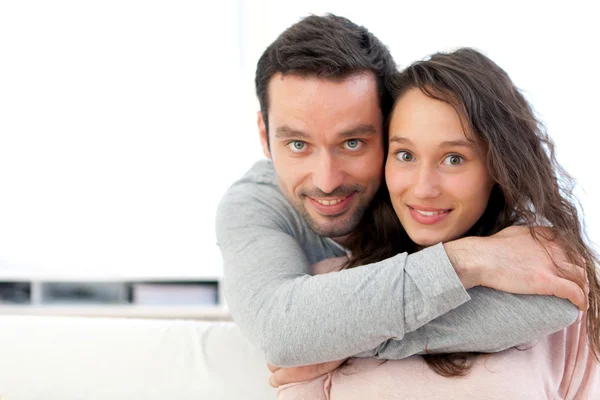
<point>323,97</point>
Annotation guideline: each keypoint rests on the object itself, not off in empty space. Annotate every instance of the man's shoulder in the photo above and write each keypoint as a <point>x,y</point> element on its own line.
<point>255,201</point>
<point>258,186</point>
<point>261,172</point>
<point>256,195</point>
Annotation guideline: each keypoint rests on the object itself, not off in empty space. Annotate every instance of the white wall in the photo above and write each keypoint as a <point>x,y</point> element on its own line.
<point>110,116</point>
<point>122,122</point>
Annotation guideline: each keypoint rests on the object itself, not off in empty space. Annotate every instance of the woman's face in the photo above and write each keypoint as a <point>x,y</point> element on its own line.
<point>438,183</point>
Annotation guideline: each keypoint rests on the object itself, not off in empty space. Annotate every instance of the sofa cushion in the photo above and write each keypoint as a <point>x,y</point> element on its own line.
<point>107,358</point>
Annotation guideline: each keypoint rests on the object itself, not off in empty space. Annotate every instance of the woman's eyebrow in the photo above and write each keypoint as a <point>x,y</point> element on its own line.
<point>400,139</point>
<point>454,143</point>
<point>446,143</point>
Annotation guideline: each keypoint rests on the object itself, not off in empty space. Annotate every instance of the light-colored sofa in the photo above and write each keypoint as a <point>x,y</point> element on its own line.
<point>47,358</point>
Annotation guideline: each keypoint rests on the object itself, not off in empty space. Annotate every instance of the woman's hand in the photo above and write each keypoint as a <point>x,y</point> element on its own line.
<point>281,376</point>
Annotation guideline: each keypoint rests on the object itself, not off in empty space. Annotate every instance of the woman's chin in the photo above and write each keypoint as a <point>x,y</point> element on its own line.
<point>423,241</point>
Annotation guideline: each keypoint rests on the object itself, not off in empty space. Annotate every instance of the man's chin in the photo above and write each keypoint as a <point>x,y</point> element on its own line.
<point>335,227</point>
<point>332,226</point>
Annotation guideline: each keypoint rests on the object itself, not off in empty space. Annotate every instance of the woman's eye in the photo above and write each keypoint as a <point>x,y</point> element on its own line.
<point>353,144</point>
<point>405,156</point>
<point>454,159</point>
<point>297,146</point>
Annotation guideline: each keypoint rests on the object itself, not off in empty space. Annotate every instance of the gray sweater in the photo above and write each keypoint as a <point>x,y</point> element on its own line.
<point>405,305</point>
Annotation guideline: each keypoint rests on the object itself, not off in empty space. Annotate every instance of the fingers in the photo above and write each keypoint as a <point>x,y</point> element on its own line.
<point>576,274</point>
<point>272,368</point>
<point>273,381</point>
<point>566,289</point>
<point>282,376</point>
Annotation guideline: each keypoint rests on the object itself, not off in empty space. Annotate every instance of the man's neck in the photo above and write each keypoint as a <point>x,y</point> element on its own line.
<point>341,240</point>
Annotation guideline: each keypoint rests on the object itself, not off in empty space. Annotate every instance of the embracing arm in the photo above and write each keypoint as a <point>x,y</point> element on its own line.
<point>496,320</point>
<point>296,318</point>
<point>492,321</point>
<point>299,319</point>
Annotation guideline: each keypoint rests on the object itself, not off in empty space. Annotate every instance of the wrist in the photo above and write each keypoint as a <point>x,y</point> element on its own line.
<point>462,253</point>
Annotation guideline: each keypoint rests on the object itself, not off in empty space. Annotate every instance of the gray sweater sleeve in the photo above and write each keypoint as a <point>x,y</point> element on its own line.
<point>296,318</point>
<point>492,321</point>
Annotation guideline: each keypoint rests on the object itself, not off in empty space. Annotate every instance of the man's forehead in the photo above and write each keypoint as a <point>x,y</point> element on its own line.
<point>363,83</point>
<point>311,104</point>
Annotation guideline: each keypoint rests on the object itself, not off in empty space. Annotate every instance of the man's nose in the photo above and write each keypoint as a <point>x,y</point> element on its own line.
<point>328,174</point>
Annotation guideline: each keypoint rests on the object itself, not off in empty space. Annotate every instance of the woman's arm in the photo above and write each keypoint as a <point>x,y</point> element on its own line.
<point>581,378</point>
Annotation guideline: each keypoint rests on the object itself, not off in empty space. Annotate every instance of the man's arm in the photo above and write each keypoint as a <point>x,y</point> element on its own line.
<point>299,319</point>
<point>296,318</point>
<point>470,326</point>
<point>492,321</point>
<point>504,262</point>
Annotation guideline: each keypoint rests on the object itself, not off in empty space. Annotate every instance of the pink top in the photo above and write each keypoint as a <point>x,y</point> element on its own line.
<point>558,366</point>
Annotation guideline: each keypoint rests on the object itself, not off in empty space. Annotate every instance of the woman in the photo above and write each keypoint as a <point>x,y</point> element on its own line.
<point>467,157</point>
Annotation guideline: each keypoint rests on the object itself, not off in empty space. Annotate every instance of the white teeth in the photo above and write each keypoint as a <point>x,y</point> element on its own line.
<point>330,202</point>
<point>429,213</point>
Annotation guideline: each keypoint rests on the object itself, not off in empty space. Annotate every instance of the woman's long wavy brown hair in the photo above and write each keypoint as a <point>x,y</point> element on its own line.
<point>531,187</point>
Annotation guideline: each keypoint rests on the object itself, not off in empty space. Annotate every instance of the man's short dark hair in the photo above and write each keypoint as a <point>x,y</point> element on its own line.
<point>327,46</point>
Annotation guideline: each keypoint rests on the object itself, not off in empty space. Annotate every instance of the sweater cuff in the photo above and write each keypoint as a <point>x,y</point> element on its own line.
<point>437,286</point>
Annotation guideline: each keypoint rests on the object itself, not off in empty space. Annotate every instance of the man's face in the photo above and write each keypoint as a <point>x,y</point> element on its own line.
<point>326,144</point>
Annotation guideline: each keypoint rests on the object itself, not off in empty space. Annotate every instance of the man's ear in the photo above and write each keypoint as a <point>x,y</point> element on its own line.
<point>262,131</point>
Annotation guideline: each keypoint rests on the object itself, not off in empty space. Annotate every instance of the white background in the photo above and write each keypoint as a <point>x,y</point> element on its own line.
<point>123,122</point>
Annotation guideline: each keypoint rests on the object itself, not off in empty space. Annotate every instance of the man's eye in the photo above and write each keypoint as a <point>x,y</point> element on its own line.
<point>405,156</point>
<point>353,144</point>
<point>297,146</point>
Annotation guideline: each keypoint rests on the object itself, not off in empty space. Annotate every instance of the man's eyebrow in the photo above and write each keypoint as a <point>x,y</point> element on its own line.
<point>359,131</point>
<point>285,132</point>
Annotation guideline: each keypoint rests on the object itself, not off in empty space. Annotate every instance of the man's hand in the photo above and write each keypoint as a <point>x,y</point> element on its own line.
<point>513,261</point>
<point>281,376</point>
